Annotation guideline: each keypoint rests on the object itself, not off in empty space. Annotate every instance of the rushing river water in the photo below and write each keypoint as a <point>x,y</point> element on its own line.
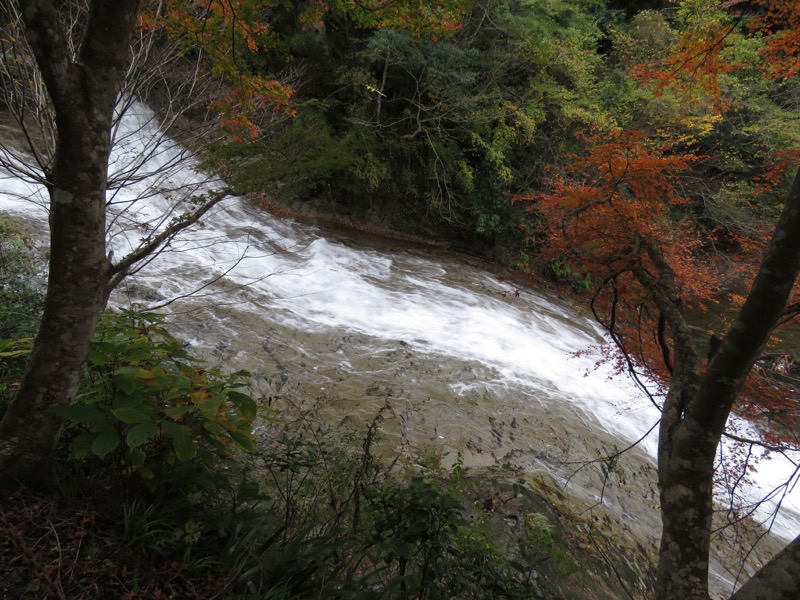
<point>355,323</point>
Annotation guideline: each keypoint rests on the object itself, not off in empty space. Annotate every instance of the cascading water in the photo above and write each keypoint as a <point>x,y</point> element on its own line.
<point>466,364</point>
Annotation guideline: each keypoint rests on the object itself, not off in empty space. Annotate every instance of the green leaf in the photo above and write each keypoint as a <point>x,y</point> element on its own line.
<point>213,428</point>
<point>129,401</point>
<point>136,456</point>
<point>174,430</point>
<point>234,378</point>
<point>129,415</point>
<point>140,433</point>
<point>246,405</point>
<point>185,449</point>
<point>82,413</point>
<point>125,383</point>
<point>101,353</point>
<point>145,473</point>
<point>177,411</point>
<point>105,442</point>
<point>139,372</point>
<point>244,439</point>
<point>82,445</point>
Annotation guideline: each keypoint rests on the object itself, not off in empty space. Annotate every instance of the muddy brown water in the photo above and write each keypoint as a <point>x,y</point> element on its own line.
<point>445,407</point>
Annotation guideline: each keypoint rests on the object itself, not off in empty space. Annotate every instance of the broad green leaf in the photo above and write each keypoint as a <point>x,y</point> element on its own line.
<point>244,439</point>
<point>213,427</point>
<point>145,473</point>
<point>246,405</point>
<point>105,442</point>
<point>199,396</point>
<point>228,424</point>
<point>206,457</point>
<point>100,354</point>
<point>129,415</point>
<point>185,449</point>
<point>136,456</point>
<point>140,433</point>
<point>125,383</point>
<point>82,445</point>
<point>181,442</point>
<point>233,378</point>
<point>177,411</point>
<point>138,372</point>
<point>82,413</point>
<point>174,430</point>
<point>129,401</point>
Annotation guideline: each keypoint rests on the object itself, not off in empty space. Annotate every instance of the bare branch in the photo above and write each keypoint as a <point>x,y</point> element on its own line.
<point>121,269</point>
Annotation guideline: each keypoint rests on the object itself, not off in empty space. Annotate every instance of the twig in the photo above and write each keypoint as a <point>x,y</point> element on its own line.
<point>53,586</point>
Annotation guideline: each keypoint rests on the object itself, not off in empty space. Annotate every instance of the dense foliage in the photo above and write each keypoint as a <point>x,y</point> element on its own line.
<point>159,475</point>
<point>443,132</point>
<point>430,132</point>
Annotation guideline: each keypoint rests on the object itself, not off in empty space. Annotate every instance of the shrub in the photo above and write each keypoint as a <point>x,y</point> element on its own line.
<point>148,408</point>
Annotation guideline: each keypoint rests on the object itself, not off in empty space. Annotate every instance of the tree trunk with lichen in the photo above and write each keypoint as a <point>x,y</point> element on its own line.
<point>695,413</point>
<point>83,90</point>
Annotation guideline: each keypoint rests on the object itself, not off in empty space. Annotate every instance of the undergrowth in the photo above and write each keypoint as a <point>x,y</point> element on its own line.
<point>21,303</point>
<point>164,491</point>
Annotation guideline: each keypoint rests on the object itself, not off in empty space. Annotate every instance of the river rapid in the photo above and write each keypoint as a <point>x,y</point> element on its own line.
<point>463,364</point>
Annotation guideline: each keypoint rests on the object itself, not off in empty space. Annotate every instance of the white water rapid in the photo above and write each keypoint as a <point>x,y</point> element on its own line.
<point>365,322</point>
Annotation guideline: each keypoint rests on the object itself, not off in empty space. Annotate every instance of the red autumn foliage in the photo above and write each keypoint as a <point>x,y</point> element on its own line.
<point>604,202</point>
<point>779,25</point>
<point>616,213</point>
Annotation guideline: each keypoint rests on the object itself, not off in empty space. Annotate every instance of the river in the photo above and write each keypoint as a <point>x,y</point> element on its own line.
<point>351,322</point>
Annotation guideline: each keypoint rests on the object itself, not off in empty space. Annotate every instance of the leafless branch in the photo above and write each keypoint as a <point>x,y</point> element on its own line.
<point>121,269</point>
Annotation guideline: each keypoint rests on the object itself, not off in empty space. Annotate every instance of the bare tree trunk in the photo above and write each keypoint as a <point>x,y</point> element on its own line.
<point>779,579</point>
<point>83,93</point>
<point>694,418</point>
<point>685,473</point>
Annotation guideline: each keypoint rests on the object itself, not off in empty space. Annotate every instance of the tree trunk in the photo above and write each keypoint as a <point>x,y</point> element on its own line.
<point>83,93</point>
<point>685,473</point>
<point>693,421</point>
<point>779,579</point>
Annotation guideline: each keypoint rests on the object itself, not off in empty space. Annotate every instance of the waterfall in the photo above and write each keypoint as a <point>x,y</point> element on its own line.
<point>494,375</point>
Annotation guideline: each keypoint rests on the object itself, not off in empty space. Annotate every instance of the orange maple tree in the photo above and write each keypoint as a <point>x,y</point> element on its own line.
<point>617,211</point>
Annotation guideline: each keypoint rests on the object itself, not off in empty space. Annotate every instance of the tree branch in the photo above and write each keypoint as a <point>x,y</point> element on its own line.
<point>48,43</point>
<point>750,332</point>
<point>121,269</point>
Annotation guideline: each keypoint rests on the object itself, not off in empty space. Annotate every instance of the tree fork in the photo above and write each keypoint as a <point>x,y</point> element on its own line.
<point>83,92</point>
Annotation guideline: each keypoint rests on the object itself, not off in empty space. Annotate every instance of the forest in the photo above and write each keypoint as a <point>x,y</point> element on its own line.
<point>640,157</point>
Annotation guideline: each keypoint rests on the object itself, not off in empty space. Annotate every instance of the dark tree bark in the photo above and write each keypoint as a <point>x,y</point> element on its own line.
<point>83,93</point>
<point>695,413</point>
<point>777,580</point>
